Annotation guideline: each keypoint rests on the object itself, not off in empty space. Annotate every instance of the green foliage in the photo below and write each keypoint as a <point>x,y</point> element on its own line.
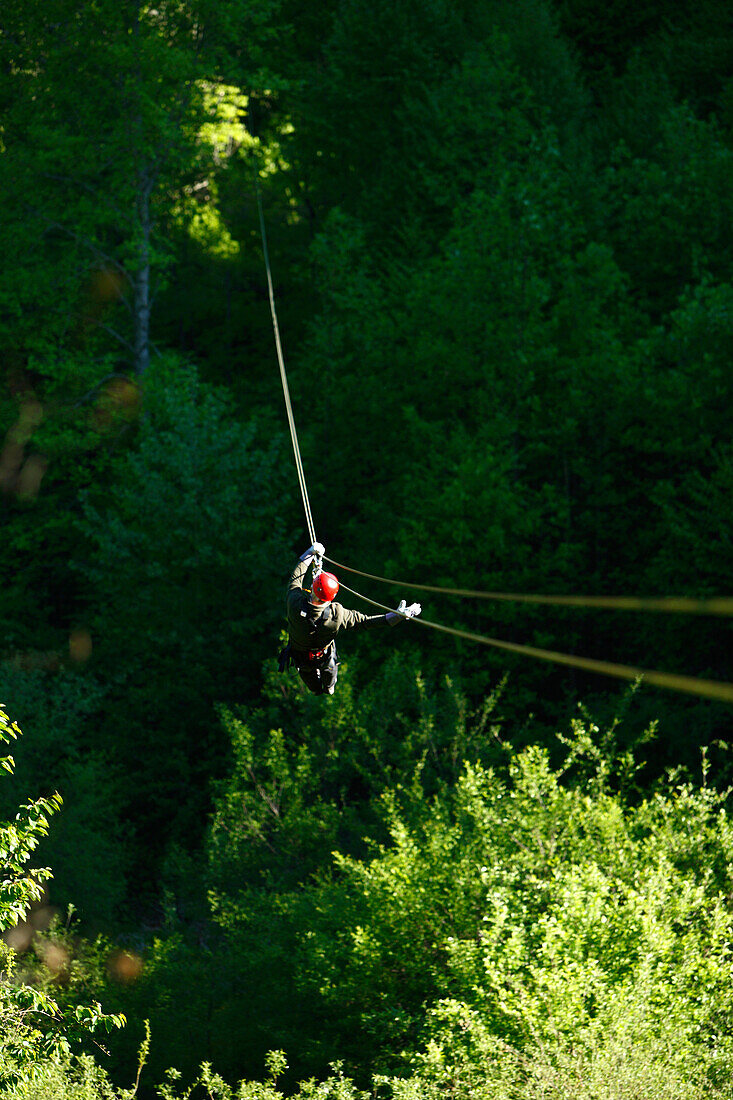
<point>306,779</point>
<point>86,847</point>
<point>555,917</point>
<point>669,208</point>
<point>516,330</point>
<point>605,37</point>
<point>63,415</point>
<point>99,167</point>
<point>522,927</point>
<point>506,378</point>
<point>689,48</point>
<point>64,1079</point>
<point>32,1026</point>
<point>179,552</point>
<point>18,841</point>
<point>196,500</point>
<point>501,241</point>
<point>335,1087</point>
<point>635,1060</point>
<point>396,97</point>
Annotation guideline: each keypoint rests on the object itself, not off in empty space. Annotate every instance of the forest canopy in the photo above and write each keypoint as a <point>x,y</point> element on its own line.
<point>500,237</point>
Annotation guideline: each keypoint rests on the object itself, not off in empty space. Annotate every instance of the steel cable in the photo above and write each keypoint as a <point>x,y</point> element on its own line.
<point>718,605</point>
<point>283,374</point>
<point>691,685</point>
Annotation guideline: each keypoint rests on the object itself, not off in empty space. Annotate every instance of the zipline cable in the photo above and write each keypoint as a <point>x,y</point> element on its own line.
<point>283,374</point>
<point>718,605</point>
<point>707,689</point>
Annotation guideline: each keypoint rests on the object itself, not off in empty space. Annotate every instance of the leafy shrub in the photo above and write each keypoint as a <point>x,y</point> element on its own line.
<point>63,1078</point>
<point>556,918</point>
<point>32,1026</point>
<point>60,712</point>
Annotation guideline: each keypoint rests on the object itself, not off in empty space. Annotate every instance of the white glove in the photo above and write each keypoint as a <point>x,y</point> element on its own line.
<point>316,550</point>
<point>404,611</point>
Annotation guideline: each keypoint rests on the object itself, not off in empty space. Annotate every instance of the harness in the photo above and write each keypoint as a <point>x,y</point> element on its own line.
<point>304,658</point>
<point>315,654</point>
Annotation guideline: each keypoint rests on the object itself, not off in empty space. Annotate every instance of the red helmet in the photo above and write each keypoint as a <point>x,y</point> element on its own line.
<point>325,586</point>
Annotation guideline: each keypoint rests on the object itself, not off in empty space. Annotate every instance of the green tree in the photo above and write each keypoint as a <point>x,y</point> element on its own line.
<point>184,556</point>
<point>111,130</point>
<point>666,209</point>
<point>116,126</point>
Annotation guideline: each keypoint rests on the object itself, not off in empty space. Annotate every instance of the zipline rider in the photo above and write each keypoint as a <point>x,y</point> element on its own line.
<point>314,620</point>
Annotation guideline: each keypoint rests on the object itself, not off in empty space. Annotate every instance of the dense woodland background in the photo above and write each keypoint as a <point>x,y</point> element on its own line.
<point>502,242</point>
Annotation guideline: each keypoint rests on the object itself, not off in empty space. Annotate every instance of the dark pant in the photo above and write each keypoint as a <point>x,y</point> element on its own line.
<point>319,674</point>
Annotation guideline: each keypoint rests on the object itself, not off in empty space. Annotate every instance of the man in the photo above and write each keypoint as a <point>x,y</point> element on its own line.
<point>314,620</point>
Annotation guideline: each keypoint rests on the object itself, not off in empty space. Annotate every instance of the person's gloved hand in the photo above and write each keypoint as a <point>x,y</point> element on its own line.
<point>316,550</point>
<point>403,612</point>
